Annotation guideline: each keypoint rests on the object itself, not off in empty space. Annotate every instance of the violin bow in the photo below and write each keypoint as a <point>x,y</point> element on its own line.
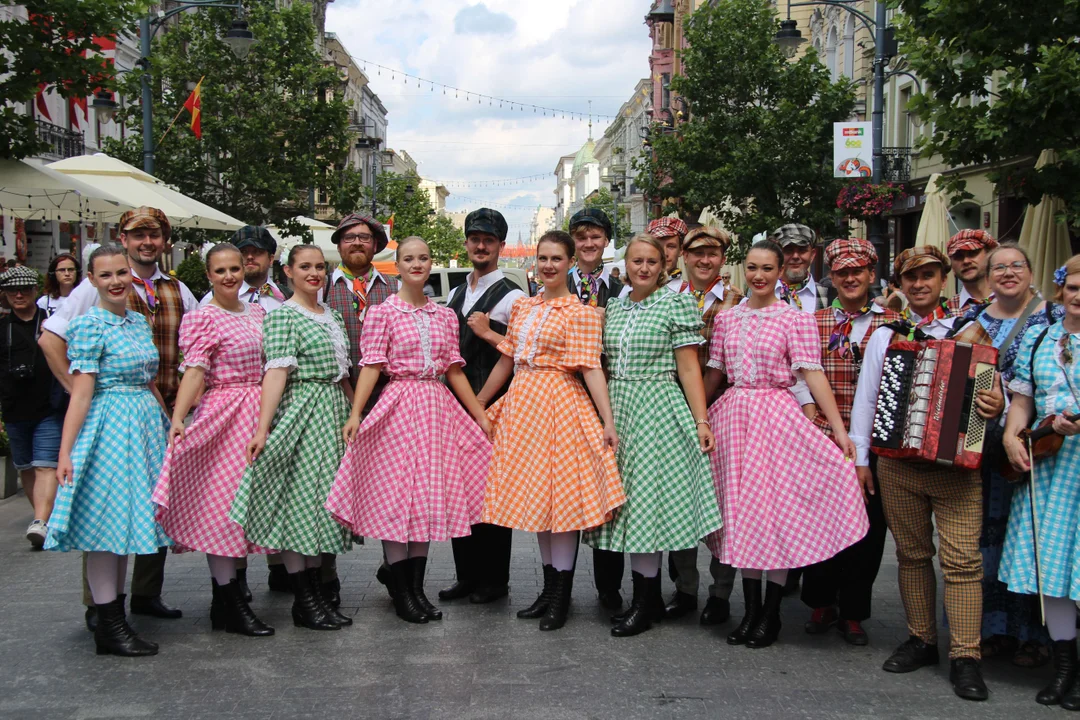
<point>1032,495</point>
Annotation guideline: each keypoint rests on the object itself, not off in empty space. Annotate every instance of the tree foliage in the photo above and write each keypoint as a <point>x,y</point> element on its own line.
<point>602,200</point>
<point>416,216</point>
<point>273,125</point>
<point>50,47</point>
<point>757,148</point>
<point>1000,83</point>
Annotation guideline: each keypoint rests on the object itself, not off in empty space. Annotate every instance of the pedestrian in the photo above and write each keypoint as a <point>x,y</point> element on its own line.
<point>797,502</point>
<point>63,275</point>
<point>221,343</point>
<point>590,280</point>
<point>297,446</point>
<point>162,300</point>
<point>651,337</point>
<point>912,493</point>
<point>969,254</point>
<point>839,590</point>
<point>482,304</point>
<point>111,451</point>
<point>438,492</point>
<point>1046,384</point>
<point>32,400</point>
<point>704,252</point>
<point>553,469</point>
<point>258,248</point>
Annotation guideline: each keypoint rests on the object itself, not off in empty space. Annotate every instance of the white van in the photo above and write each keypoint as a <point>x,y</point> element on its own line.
<point>443,280</point>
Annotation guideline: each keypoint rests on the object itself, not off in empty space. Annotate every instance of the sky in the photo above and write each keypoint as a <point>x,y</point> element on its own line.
<point>551,53</point>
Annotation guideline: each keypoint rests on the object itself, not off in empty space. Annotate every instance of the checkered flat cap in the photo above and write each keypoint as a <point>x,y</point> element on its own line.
<point>970,240</point>
<point>850,253</point>
<point>794,234</point>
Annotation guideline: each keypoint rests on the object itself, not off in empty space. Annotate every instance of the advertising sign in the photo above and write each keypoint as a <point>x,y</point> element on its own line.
<point>853,152</point>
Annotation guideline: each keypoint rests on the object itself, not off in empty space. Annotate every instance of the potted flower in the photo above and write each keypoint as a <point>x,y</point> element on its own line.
<point>863,200</point>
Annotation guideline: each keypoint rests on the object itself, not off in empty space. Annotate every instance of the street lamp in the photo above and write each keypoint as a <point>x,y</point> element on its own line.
<point>789,38</point>
<point>238,38</point>
<point>104,106</point>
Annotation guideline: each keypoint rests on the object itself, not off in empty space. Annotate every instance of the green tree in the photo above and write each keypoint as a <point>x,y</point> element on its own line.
<point>272,124</point>
<point>192,272</point>
<point>602,200</point>
<point>51,48</point>
<point>757,147</point>
<point>999,90</point>
<point>415,216</point>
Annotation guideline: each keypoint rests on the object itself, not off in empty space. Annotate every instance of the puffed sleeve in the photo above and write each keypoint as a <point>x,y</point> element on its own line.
<point>1022,383</point>
<point>86,344</point>
<point>375,336</point>
<point>452,329</point>
<point>509,344</point>
<point>686,322</point>
<point>279,340</point>
<point>199,339</point>
<point>716,346</point>
<point>584,340</point>
<point>804,342</point>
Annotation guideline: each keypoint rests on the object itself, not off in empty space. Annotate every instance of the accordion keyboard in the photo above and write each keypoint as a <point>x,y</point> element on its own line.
<point>976,425</point>
<point>890,417</point>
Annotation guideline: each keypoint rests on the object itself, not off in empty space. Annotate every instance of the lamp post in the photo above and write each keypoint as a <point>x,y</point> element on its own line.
<point>238,38</point>
<point>788,37</point>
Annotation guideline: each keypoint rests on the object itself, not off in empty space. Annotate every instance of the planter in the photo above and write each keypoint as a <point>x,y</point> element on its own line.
<point>863,200</point>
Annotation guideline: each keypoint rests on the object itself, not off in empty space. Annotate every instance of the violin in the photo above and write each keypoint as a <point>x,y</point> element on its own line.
<point>1045,443</point>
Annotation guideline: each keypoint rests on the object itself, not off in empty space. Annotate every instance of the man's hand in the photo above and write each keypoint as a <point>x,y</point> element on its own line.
<point>480,324</point>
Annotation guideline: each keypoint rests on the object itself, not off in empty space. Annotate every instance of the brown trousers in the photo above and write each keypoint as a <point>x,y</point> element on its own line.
<point>916,497</point>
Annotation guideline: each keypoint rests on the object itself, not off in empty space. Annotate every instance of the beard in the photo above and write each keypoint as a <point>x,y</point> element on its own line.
<point>796,276</point>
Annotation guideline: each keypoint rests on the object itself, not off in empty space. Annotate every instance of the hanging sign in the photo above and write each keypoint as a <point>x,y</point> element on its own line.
<point>853,152</point>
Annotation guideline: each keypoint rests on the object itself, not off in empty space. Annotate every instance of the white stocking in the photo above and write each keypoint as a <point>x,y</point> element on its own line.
<point>543,539</point>
<point>102,569</point>
<point>222,569</point>
<point>564,547</point>
<point>395,552</point>
<point>647,564</point>
<point>1060,618</point>
<point>294,562</point>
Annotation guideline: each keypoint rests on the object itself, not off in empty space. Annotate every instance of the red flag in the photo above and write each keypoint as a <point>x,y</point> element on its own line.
<point>78,104</point>
<point>194,106</point>
<point>41,103</point>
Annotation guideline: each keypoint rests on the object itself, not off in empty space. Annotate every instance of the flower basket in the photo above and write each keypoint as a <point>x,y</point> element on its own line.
<point>864,200</point>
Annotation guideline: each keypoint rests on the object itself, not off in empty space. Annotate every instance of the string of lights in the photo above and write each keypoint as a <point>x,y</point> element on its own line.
<point>492,183</point>
<point>480,98</point>
<point>492,204</point>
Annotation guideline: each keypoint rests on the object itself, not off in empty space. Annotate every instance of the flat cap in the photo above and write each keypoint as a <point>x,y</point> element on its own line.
<point>255,236</point>
<point>794,234</point>
<point>145,217</point>
<point>918,256</point>
<point>970,240</point>
<point>667,227</point>
<point>18,277</point>
<point>850,253</point>
<point>354,219</point>
<point>591,216</point>
<point>486,220</point>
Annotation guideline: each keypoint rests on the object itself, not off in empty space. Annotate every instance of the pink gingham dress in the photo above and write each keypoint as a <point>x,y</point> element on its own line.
<point>202,472</point>
<point>417,468</point>
<point>788,497</point>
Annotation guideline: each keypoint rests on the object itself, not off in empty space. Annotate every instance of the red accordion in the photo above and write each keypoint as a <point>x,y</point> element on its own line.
<point>926,402</point>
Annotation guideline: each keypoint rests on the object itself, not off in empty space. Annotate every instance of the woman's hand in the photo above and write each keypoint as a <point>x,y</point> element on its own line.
<point>1066,427</point>
<point>482,399</point>
<point>611,440</point>
<point>255,447</point>
<point>845,444</point>
<point>486,426</point>
<point>350,429</point>
<point>64,471</point>
<point>176,433</point>
<point>866,479</point>
<point>990,403</point>
<point>705,438</point>
<point>1016,449</point>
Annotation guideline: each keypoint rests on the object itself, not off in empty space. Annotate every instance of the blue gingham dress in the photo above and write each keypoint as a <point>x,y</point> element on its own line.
<point>1057,485</point>
<point>118,455</point>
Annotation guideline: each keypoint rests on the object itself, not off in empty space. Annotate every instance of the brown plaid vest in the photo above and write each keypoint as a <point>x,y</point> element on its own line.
<point>165,324</point>
<point>732,297</point>
<point>843,372</point>
<point>341,299</point>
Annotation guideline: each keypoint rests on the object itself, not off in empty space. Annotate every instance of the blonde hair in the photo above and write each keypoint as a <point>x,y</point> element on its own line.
<point>1072,267</point>
<point>406,241</point>
<point>652,242</point>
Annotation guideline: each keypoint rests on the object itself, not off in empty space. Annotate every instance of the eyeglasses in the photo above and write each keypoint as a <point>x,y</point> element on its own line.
<point>64,270</point>
<point>357,237</point>
<point>20,290</point>
<point>1017,267</point>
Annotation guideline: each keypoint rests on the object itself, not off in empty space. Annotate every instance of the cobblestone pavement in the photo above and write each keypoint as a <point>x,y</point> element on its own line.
<point>478,662</point>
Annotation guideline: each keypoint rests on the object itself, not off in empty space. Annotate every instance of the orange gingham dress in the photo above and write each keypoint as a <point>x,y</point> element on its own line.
<point>550,469</point>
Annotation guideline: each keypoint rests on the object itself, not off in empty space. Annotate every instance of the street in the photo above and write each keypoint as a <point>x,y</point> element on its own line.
<point>478,662</point>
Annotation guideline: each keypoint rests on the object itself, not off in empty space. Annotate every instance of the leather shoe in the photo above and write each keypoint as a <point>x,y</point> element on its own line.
<point>910,656</point>
<point>821,620</point>
<point>966,679</point>
<point>852,632</point>
<point>717,611</point>
<point>681,604</point>
<point>383,576</point>
<point>278,579</point>
<point>91,618</point>
<point>484,595</point>
<point>460,589</point>
<point>610,599</point>
<point>154,607</point>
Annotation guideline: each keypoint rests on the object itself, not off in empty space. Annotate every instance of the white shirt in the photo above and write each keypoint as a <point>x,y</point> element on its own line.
<point>575,279</point>
<point>865,405</point>
<point>51,305</point>
<point>715,293</point>
<point>85,296</point>
<point>269,303</point>
<point>859,325</point>
<point>501,312</point>
<point>808,295</point>
<point>339,274</point>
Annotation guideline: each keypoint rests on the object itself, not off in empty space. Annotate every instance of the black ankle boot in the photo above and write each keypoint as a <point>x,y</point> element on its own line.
<point>239,617</point>
<point>1064,673</point>
<point>559,606</point>
<point>307,611</point>
<point>330,591</point>
<point>751,590</point>
<point>540,604</point>
<point>406,605</point>
<point>1071,699</point>
<point>113,635</point>
<point>767,628</point>
<point>642,608</point>
<point>319,589</point>
<point>217,606</point>
<point>419,567</point>
<point>241,580</point>
<point>278,578</point>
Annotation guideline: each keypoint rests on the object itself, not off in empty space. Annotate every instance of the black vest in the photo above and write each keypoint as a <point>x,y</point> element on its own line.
<point>480,357</point>
<point>603,294</point>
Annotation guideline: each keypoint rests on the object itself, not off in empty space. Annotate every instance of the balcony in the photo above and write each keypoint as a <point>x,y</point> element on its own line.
<point>61,143</point>
<point>896,163</point>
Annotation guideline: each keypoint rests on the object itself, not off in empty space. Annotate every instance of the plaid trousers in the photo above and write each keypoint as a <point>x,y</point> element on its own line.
<point>910,494</point>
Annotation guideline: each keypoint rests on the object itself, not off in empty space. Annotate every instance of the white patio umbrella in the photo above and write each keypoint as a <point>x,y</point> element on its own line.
<point>30,191</point>
<point>138,188</point>
<point>934,224</point>
<point>1045,239</point>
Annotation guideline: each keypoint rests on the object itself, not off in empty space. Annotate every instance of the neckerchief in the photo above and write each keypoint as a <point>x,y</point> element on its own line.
<point>359,288</point>
<point>698,295</point>
<point>675,274</point>
<point>840,340</point>
<point>916,330</point>
<point>589,288</point>
<point>268,289</point>
<point>151,293</point>
<point>789,292</point>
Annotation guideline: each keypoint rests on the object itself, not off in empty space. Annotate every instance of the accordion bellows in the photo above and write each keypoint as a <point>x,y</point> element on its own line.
<point>926,402</point>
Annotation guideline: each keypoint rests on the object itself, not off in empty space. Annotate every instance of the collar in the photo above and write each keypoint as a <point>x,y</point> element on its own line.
<point>158,275</point>
<point>338,275</point>
<point>111,318</point>
<point>654,297</point>
<point>676,286</point>
<point>245,288</point>
<point>810,287</point>
<point>605,274</point>
<point>557,302</point>
<point>916,318</point>
<point>875,309</point>
<point>400,305</point>
<point>966,297</point>
<point>484,281</point>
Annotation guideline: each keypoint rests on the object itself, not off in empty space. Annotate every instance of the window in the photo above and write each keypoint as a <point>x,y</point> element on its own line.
<point>905,127</point>
<point>665,91</point>
<point>830,54</point>
<point>849,47</point>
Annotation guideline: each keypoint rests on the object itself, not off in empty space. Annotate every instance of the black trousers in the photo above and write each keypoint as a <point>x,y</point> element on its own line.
<point>483,558</point>
<point>608,570</point>
<point>848,578</point>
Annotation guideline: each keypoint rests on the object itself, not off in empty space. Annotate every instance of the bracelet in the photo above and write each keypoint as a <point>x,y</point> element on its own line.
<point>703,422</point>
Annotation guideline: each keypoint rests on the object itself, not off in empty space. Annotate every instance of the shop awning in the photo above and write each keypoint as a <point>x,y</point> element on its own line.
<point>31,191</point>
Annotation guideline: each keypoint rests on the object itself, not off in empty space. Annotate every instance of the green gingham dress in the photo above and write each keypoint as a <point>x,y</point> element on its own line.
<point>671,501</point>
<point>280,500</point>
